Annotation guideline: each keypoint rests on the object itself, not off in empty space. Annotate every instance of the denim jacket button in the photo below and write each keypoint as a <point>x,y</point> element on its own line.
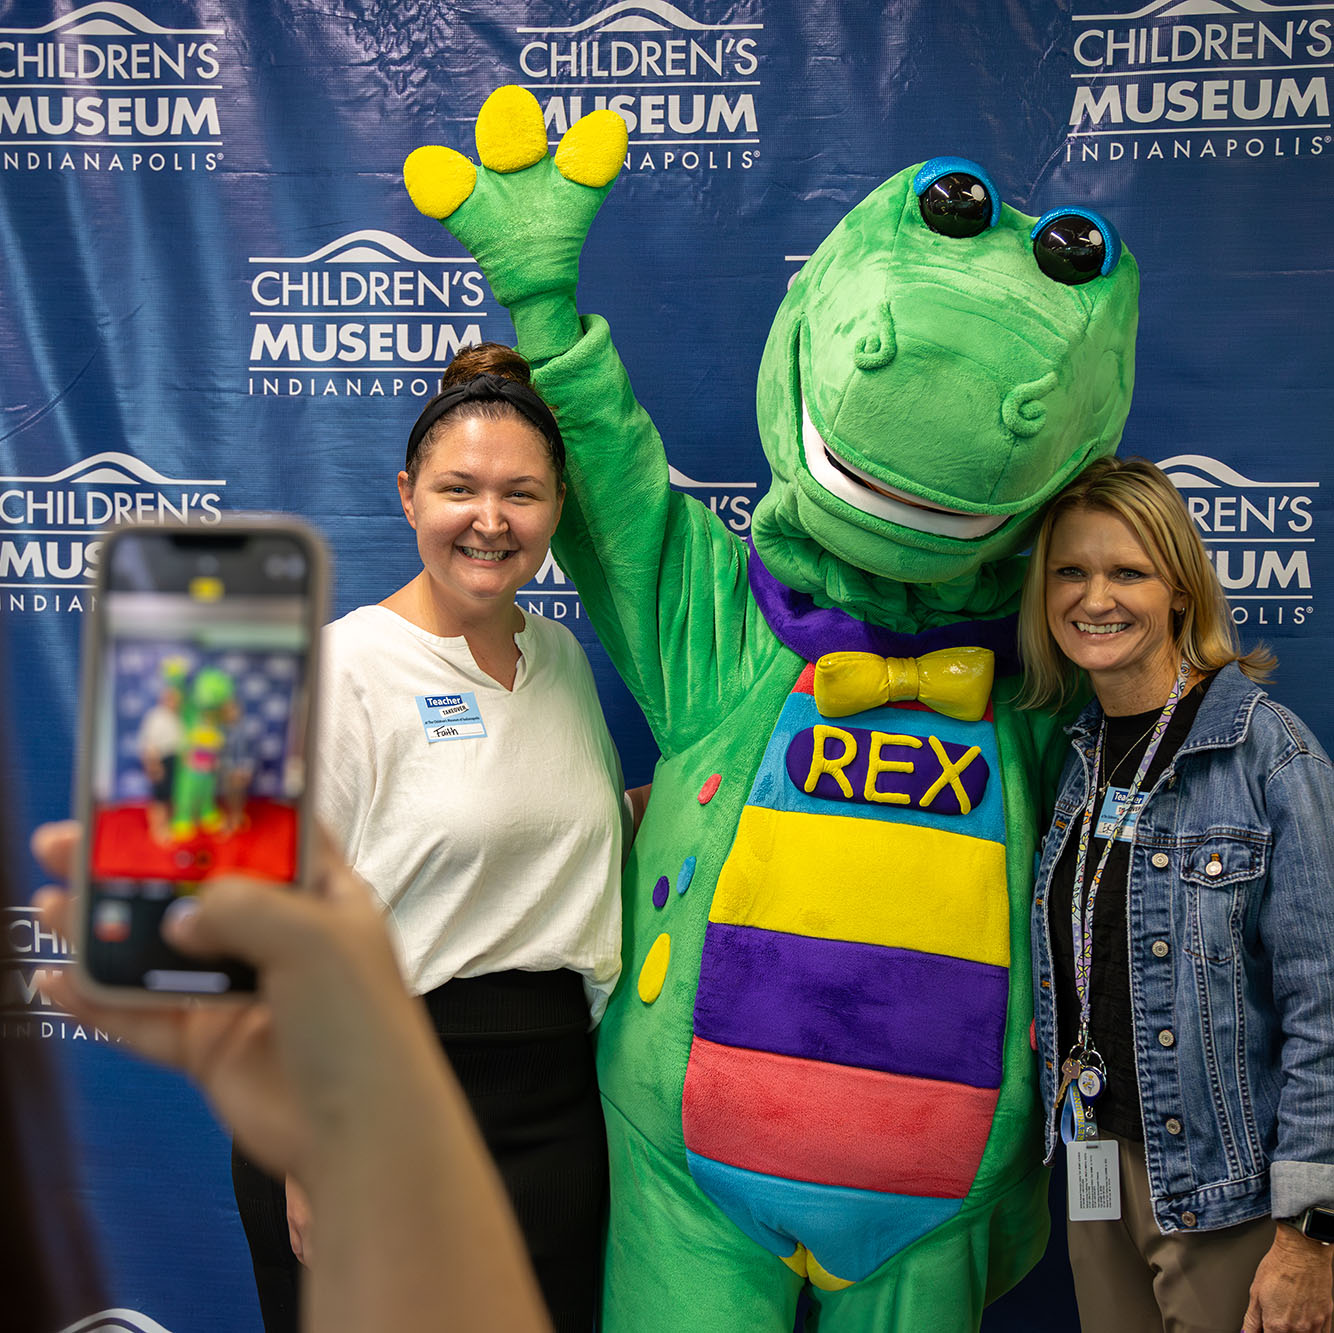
<point>1159,948</point>
<point>1188,1219</point>
<point>1172,1125</point>
<point>1165,1037</point>
<point>1161,860</point>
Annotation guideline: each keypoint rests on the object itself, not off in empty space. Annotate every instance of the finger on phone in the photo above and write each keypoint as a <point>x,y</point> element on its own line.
<point>248,919</point>
<point>54,846</point>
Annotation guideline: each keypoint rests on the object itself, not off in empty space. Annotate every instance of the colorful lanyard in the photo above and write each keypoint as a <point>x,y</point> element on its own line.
<point>1083,1055</point>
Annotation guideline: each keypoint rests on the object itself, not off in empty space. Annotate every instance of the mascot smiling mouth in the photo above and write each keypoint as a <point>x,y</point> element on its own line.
<point>873,497</point>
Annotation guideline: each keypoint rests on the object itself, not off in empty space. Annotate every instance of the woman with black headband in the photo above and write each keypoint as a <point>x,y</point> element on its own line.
<point>470,779</point>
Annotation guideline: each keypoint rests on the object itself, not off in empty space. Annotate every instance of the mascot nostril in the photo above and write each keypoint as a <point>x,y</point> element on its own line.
<point>876,350</point>
<point>816,1068</point>
<point>1024,411</point>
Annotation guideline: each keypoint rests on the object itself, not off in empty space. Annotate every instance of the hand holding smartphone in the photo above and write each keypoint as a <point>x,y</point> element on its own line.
<point>199,682</point>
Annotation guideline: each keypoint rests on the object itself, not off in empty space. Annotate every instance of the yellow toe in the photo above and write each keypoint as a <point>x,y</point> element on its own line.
<point>593,149</point>
<point>438,179</point>
<point>511,133</point>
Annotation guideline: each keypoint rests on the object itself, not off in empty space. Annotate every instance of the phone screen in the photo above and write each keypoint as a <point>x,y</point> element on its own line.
<point>196,738</point>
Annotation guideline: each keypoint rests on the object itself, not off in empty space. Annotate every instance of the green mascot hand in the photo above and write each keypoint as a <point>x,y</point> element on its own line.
<point>522,214</point>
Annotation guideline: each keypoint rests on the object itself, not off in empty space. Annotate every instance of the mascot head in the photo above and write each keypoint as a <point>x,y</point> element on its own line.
<point>940,367</point>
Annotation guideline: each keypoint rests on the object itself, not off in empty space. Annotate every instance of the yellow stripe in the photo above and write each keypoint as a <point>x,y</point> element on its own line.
<point>867,880</point>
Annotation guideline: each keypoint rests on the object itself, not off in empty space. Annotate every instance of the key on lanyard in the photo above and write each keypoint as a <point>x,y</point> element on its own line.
<point>1072,1067</point>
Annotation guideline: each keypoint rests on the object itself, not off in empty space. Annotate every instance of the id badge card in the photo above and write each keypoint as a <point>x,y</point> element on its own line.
<point>1093,1185</point>
<point>1119,803</point>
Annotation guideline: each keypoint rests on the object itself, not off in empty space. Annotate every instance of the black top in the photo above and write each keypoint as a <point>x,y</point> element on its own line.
<point>1111,1022</point>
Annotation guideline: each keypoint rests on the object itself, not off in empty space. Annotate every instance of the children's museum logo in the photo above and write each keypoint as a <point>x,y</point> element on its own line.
<point>1259,535</point>
<point>117,1321</point>
<point>366,315</point>
<point>1183,80</point>
<point>686,89</point>
<point>50,527</point>
<point>32,955</point>
<point>105,88</point>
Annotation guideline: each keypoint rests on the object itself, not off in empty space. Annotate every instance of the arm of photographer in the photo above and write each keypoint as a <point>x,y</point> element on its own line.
<point>331,1074</point>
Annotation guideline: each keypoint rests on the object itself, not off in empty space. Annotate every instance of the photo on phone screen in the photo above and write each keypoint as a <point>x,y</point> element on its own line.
<point>196,736</point>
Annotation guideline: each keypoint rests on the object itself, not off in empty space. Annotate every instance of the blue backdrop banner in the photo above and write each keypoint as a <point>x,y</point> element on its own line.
<point>215,295</point>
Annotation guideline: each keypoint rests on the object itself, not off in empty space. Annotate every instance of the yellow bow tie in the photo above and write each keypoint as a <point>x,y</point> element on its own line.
<point>953,681</point>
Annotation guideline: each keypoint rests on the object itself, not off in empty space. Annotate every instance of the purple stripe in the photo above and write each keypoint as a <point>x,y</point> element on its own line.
<point>864,1005</point>
<point>813,631</point>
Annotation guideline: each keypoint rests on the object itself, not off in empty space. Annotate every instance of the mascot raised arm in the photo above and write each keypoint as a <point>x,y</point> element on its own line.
<point>818,1067</point>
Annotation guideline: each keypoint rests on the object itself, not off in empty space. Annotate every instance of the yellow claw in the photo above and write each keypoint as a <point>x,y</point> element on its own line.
<point>511,133</point>
<point>438,179</point>
<point>593,149</point>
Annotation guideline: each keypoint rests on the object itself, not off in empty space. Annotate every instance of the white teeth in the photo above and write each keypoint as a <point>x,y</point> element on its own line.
<point>1085,628</point>
<point>873,497</point>
<point>476,554</point>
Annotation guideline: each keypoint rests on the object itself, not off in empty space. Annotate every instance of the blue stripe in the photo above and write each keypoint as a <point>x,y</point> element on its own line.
<point>850,1232</point>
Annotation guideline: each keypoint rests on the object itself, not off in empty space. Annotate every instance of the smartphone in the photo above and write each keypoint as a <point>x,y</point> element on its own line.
<point>199,684</point>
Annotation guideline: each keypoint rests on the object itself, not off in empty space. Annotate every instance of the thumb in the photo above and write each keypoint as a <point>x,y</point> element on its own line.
<point>1254,1321</point>
<point>260,923</point>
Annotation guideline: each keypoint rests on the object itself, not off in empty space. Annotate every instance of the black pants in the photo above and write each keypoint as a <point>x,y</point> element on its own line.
<point>519,1047</point>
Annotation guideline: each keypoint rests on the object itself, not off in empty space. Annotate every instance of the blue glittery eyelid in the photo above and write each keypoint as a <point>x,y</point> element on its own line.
<point>1111,238</point>
<point>930,172</point>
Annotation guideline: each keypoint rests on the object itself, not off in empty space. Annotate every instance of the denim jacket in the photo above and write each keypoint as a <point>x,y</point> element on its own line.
<point>1231,932</point>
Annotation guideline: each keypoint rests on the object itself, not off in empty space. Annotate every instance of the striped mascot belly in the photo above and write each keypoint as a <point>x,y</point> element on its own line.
<point>848,1027</point>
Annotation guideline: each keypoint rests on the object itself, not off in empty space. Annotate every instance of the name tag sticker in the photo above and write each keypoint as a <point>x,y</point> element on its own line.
<point>1093,1186</point>
<point>1117,800</point>
<point>450,717</point>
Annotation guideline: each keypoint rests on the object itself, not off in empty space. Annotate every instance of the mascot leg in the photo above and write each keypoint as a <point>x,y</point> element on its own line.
<point>675,1264</point>
<point>942,1284</point>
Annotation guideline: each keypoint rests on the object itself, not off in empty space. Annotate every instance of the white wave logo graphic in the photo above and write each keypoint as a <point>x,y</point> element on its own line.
<point>1200,472</point>
<point>642,16</point>
<point>111,20</point>
<point>111,468</point>
<point>117,1321</point>
<point>679,478</point>
<point>1213,9</point>
<point>367,246</point>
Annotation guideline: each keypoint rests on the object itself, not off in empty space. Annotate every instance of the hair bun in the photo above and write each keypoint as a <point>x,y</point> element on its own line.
<point>486,359</point>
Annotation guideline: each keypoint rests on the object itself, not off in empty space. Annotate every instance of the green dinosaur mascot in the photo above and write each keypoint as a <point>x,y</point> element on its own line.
<point>194,798</point>
<point>818,1068</point>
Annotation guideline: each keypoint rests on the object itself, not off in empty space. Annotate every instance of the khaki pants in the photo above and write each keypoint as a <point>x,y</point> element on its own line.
<point>1130,1278</point>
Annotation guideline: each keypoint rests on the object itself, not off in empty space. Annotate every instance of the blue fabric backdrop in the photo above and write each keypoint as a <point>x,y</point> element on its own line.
<point>215,295</point>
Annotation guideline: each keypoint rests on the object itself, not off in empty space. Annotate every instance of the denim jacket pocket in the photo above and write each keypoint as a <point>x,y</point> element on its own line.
<point>1215,872</point>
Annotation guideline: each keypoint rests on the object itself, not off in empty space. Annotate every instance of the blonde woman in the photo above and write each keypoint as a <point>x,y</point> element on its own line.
<point>1183,932</point>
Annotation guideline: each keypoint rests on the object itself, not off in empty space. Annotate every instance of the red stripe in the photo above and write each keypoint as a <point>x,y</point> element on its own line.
<point>832,1124</point>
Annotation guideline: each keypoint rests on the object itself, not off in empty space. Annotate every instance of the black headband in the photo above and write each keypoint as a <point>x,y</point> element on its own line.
<point>488,388</point>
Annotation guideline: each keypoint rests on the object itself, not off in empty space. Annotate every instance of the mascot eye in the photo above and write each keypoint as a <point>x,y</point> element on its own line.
<point>1074,246</point>
<point>956,196</point>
